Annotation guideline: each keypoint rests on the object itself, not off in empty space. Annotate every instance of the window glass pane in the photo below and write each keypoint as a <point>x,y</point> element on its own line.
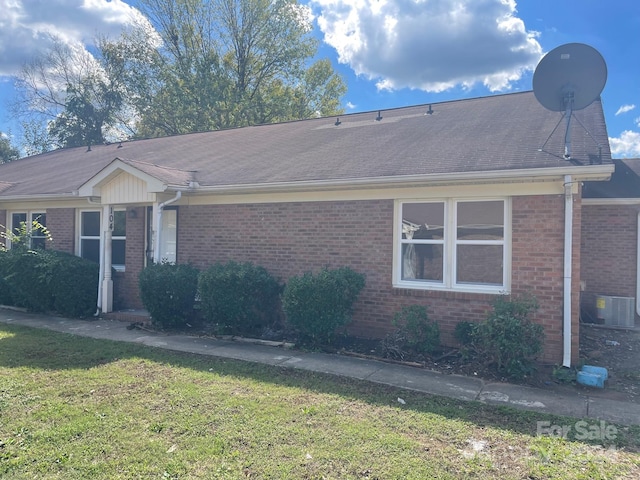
<point>36,235</point>
<point>480,220</point>
<point>423,221</point>
<point>16,220</point>
<point>90,249</point>
<point>422,262</point>
<point>480,264</point>
<point>168,238</point>
<point>118,252</point>
<point>90,224</point>
<point>38,243</point>
<point>119,223</point>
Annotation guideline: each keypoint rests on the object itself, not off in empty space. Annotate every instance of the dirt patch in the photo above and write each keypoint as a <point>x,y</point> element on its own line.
<point>615,349</point>
<point>618,350</point>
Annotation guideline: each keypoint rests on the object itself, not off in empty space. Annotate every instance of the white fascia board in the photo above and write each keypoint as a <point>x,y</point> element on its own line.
<point>579,174</point>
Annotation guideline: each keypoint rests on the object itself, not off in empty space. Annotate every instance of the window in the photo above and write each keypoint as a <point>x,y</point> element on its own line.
<point>90,230</point>
<point>37,238</point>
<point>453,244</point>
<point>119,239</point>
<point>90,235</point>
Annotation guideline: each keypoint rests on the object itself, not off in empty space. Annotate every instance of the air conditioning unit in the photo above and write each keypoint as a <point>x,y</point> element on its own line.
<point>616,311</point>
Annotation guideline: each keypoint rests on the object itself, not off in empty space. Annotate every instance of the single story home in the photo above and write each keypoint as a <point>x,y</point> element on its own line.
<point>445,205</point>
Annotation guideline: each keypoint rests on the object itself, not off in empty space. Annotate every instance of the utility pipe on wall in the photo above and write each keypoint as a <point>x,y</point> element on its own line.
<point>568,264</point>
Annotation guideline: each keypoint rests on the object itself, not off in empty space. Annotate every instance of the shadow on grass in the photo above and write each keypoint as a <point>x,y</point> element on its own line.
<point>35,348</point>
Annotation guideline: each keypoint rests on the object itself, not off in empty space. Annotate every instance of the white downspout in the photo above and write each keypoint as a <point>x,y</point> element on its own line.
<point>158,225</point>
<point>568,265</point>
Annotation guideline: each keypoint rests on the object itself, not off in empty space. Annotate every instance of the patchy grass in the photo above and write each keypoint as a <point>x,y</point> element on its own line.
<point>75,408</point>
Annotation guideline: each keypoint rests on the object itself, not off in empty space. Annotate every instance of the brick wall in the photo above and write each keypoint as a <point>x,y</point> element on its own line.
<point>609,249</point>
<point>289,239</point>
<point>61,225</point>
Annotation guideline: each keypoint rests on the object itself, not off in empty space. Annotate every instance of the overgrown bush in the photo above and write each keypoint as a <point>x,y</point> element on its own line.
<point>6,297</point>
<point>168,292</point>
<point>239,298</point>
<point>508,340</point>
<point>75,285</point>
<point>415,334</point>
<point>463,333</point>
<point>316,305</point>
<point>49,281</point>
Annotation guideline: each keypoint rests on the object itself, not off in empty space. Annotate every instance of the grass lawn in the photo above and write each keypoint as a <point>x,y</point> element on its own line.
<point>73,407</point>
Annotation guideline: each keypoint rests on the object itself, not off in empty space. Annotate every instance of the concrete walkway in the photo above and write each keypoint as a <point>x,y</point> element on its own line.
<point>411,378</point>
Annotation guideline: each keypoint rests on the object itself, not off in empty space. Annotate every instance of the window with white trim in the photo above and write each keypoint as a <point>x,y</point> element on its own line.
<point>90,235</point>
<point>90,230</point>
<point>37,238</point>
<point>454,245</point>
<point>119,240</point>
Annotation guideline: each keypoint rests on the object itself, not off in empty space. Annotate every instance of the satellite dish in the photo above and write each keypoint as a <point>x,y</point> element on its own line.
<point>570,77</point>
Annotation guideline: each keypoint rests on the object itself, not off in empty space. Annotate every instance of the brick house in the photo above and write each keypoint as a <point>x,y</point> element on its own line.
<point>610,262</point>
<point>446,205</point>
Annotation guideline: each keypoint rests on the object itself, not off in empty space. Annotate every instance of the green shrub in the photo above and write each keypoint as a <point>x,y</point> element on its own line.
<point>30,274</point>
<point>75,285</point>
<point>508,340</point>
<point>415,333</point>
<point>168,292</point>
<point>239,298</point>
<point>316,305</point>
<point>463,333</point>
<point>6,297</point>
<point>50,281</point>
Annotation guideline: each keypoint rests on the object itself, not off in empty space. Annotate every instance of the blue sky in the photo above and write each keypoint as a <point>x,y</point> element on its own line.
<point>398,52</point>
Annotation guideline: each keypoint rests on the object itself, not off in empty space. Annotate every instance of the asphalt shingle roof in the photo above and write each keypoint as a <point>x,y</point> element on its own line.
<point>503,132</point>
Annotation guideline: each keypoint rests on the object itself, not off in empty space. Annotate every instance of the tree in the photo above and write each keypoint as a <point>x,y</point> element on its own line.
<point>68,97</point>
<point>8,152</point>
<point>230,63</point>
<point>196,65</point>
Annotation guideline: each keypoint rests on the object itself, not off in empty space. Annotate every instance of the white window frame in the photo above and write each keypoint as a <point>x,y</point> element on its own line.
<point>81,237</point>
<point>31,215</point>
<point>449,245</point>
<point>117,266</point>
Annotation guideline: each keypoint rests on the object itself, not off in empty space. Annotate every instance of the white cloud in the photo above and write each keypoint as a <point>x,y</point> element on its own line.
<point>627,145</point>
<point>351,106</point>
<point>625,109</point>
<point>26,26</point>
<point>431,45</point>
<point>637,121</point>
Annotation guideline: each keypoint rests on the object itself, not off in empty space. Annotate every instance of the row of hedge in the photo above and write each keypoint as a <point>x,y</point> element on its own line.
<point>48,281</point>
<point>245,299</point>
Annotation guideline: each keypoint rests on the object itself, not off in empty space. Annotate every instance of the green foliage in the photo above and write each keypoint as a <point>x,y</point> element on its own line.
<point>49,281</point>
<point>168,292</point>
<point>6,296</point>
<point>238,298</point>
<point>8,152</point>
<point>316,305</point>
<point>415,333</point>
<point>463,332</point>
<point>508,340</point>
<point>563,374</point>
<point>75,285</point>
